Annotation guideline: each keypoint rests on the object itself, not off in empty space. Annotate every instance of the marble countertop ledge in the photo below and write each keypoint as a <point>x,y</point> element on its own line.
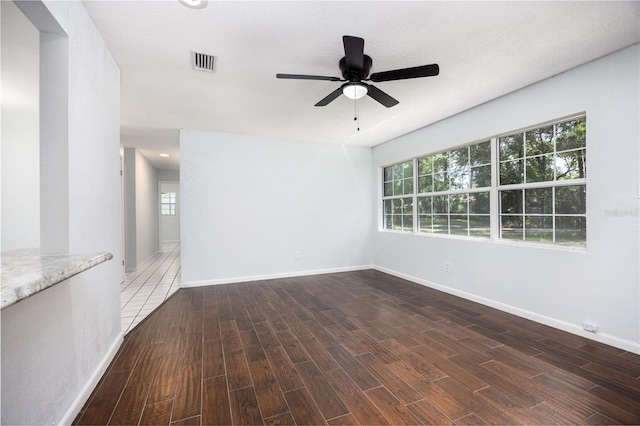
<point>27,272</point>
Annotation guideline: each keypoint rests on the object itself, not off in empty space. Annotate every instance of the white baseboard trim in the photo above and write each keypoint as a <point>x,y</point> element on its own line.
<point>607,339</point>
<point>232,280</point>
<point>85,393</point>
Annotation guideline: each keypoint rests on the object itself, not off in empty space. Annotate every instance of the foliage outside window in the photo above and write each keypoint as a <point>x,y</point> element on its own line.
<point>168,204</point>
<point>398,197</point>
<point>542,188</point>
<point>450,195</point>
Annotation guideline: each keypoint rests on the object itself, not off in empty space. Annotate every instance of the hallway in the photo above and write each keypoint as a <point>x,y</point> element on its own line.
<point>150,285</point>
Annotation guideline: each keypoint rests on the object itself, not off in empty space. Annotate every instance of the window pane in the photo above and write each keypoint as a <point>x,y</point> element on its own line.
<point>408,186</point>
<point>441,224</point>
<point>396,206</point>
<point>388,189</point>
<point>440,182</point>
<point>397,222</point>
<point>571,134</point>
<point>386,205</point>
<point>440,163</point>
<point>458,225</point>
<point>479,203</point>
<point>511,147</point>
<point>479,226</point>
<point>539,228</point>
<point>571,165</point>
<point>388,174</point>
<point>539,200</point>
<point>398,187</point>
<point>540,169</point>
<point>407,169</point>
<point>440,204</point>
<point>481,176</point>
<point>511,172</point>
<point>571,230</point>
<point>511,201</point>
<point>459,158</point>
<point>425,223</point>
<point>458,203</point>
<point>397,171</point>
<point>424,205</point>
<point>459,179</point>
<point>511,227</point>
<point>480,153</point>
<point>539,141</point>
<point>407,222</point>
<point>571,199</point>
<point>424,166</point>
<point>425,184</point>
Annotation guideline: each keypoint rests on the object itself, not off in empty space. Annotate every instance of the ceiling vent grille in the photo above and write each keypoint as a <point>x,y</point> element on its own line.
<point>202,61</point>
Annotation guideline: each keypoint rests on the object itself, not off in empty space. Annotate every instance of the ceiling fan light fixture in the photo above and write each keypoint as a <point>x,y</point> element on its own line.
<point>194,4</point>
<point>354,90</point>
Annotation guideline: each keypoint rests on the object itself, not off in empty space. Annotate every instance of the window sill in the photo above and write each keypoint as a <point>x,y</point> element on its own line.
<point>512,243</point>
<point>26,272</point>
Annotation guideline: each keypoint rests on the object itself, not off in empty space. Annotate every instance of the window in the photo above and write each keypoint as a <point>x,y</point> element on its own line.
<point>542,189</point>
<point>453,191</point>
<point>530,184</point>
<point>168,203</point>
<point>398,197</point>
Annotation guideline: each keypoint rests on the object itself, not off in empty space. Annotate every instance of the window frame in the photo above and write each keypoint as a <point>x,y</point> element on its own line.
<point>495,190</point>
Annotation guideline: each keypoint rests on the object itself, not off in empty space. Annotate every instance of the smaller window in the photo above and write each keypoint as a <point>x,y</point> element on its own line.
<point>168,204</point>
<point>397,197</point>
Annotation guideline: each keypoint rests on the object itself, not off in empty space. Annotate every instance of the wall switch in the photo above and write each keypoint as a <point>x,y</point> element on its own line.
<point>590,327</point>
<point>297,255</point>
<point>446,267</point>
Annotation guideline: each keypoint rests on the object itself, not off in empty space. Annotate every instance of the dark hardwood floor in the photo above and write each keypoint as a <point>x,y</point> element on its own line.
<point>356,348</point>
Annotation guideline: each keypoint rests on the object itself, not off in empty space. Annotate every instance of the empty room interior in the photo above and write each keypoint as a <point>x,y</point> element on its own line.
<point>312,212</point>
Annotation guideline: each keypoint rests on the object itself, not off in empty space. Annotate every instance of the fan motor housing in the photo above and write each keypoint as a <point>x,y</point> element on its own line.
<point>354,74</point>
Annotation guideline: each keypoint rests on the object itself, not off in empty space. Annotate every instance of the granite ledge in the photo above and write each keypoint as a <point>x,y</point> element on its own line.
<point>27,272</point>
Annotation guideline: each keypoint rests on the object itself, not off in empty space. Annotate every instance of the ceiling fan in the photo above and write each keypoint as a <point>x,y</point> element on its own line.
<point>355,67</point>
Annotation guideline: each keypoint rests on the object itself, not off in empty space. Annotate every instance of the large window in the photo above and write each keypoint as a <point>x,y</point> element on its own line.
<point>453,191</point>
<point>539,189</point>
<point>542,184</point>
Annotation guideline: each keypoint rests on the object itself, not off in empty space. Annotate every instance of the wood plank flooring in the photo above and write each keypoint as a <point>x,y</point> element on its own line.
<point>356,348</point>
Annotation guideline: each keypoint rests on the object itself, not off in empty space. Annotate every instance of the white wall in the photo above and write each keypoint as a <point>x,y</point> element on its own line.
<point>249,203</point>
<point>146,183</point>
<point>559,287</point>
<point>20,128</point>
<point>170,225</point>
<point>57,344</point>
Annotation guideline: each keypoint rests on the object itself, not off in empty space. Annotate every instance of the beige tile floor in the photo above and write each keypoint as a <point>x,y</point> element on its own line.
<point>150,285</point>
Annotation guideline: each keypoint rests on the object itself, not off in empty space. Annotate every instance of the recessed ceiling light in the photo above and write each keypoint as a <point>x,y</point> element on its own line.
<point>164,155</point>
<point>194,4</point>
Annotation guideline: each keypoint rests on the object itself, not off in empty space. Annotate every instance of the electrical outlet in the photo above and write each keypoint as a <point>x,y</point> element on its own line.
<point>297,255</point>
<point>590,327</point>
<point>446,267</point>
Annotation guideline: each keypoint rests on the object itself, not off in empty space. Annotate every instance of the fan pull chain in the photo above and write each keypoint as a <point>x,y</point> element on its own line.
<point>356,117</point>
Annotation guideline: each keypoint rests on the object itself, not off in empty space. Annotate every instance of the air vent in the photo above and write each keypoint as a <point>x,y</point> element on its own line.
<point>202,61</point>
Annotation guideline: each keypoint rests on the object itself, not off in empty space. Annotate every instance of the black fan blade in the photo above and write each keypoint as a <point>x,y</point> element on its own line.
<point>354,52</point>
<point>306,77</point>
<point>329,98</point>
<point>381,97</point>
<point>401,74</point>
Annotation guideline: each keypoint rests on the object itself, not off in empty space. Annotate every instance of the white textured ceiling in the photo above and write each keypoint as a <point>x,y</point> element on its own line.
<point>484,49</point>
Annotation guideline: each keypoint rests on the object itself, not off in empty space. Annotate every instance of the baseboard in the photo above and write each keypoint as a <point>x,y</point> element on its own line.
<point>85,393</point>
<point>607,339</point>
<point>232,280</point>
